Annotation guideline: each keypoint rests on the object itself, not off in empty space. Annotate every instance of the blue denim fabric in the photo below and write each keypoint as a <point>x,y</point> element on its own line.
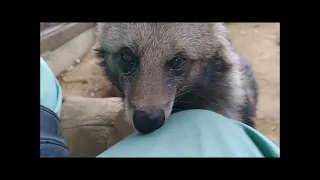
<point>52,142</point>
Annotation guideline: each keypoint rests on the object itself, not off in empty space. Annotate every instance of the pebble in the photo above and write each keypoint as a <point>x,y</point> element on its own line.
<point>273,128</point>
<point>256,31</point>
<point>92,94</point>
<point>242,33</point>
<point>70,68</point>
<point>95,89</point>
<point>78,61</point>
<point>257,25</point>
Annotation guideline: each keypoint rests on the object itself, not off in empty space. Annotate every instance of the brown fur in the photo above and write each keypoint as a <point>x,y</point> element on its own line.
<point>211,59</point>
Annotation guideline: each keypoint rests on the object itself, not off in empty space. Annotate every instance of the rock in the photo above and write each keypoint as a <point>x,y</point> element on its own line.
<point>96,89</point>
<point>78,61</point>
<point>91,125</point>
<point>256,31</point>
<point>72,79</point>
<point>242,33</point>
<point>70,68</point>
<point>92,94</point>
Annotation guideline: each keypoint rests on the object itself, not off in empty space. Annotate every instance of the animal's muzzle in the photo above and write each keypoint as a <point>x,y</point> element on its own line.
<point>148,122</point>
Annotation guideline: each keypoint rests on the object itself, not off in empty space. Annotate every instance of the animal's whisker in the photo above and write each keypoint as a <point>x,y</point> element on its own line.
<point>189,91</point>
<point>181,94</point>
<point>184,90</point>
<point>199,95</point>
<point>184,102</point>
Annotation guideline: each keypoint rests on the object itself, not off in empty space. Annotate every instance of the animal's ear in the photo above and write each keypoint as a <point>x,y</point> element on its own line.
<point>101,31</point>
<point>228,37</point>
<point>101,27</point>
<point>222,32</point>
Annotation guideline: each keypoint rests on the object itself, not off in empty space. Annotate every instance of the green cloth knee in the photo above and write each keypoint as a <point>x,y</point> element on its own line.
<point>196,133</point>
<point>50,90</point>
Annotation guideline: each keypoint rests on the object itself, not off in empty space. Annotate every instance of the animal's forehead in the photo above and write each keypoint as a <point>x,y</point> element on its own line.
<point>161,38</point>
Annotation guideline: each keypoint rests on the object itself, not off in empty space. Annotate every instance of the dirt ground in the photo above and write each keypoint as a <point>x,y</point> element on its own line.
<point>257,41</point>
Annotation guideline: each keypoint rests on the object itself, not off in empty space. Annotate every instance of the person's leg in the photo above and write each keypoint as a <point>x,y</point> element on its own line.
<point>52,142</point>
<point>196,133</point>
<point>50,90</point>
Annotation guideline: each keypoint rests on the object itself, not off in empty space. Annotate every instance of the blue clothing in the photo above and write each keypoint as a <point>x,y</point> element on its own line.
<point>52,142</point>
<point>196,133</point>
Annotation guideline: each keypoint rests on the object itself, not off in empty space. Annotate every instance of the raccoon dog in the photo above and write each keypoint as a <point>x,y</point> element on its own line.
<point>163,68</point>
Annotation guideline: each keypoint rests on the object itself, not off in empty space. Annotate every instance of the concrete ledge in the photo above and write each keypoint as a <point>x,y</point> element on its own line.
<point>46,25</point>
<point>51,29</point>
<point>51,41</point>
<point>64,56</point>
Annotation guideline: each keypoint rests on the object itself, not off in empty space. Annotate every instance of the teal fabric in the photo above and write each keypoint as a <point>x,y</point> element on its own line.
<point>50,90</point>
<point>196,133</point>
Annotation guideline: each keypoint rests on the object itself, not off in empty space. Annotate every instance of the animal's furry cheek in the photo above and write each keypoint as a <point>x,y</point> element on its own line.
<point>168,109</point>
<point>128,111</point>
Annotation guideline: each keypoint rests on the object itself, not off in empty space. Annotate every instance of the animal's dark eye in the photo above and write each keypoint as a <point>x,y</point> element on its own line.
<point>128,61</point>
<point>177,63</point>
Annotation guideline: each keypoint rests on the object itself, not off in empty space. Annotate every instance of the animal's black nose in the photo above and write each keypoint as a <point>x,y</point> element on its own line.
<point>148,122</point>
